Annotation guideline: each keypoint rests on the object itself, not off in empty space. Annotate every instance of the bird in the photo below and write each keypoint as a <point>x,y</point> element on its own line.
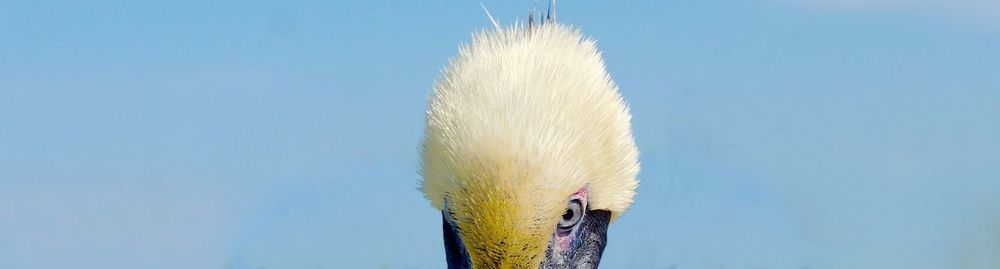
<point>527,150</point>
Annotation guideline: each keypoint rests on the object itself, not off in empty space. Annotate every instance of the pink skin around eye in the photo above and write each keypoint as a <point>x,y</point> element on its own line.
<point>563,243</point>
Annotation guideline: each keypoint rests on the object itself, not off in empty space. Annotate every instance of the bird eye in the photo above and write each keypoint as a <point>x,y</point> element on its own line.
<point>574,212</point>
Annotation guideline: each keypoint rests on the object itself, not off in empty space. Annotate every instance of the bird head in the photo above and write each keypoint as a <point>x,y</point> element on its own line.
<point>528,150</point>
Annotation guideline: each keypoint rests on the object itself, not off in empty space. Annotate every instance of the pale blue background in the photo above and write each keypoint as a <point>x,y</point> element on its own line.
<point>274,134</point>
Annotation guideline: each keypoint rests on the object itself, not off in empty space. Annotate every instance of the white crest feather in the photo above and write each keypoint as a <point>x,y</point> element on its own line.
<point>534,117</point>
<point>496,25</point>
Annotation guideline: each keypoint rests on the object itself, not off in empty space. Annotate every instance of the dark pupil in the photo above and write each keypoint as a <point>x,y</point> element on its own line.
<point>568,215</point>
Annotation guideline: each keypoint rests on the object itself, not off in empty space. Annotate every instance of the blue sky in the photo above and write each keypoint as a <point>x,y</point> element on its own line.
<point>283,134</point>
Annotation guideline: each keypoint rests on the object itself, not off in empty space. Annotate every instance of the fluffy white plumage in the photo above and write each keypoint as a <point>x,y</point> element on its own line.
<point>523,118</point>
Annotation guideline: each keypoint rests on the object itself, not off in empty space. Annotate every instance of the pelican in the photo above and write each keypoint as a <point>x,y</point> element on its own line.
<point>528,150</point>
